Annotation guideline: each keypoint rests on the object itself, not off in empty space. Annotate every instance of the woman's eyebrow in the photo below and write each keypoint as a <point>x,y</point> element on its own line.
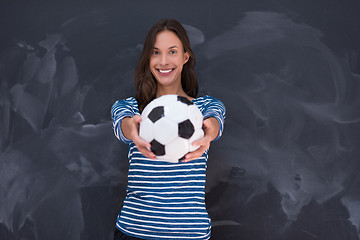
<point>169,47</point>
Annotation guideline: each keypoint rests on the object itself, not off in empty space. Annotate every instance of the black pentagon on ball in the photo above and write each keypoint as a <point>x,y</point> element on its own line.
<point>157,148</point>
<point>186,129</point>
<point>184,100</point>
<point>156,114</point>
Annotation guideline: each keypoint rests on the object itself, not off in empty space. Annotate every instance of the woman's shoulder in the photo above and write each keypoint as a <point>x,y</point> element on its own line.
<point>129,100</point>
<point>127,103</point>
<point>208,103</point>
<point>205,100</point>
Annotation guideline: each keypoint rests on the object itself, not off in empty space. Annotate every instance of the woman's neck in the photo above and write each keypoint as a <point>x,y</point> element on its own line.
<point>161,90</point>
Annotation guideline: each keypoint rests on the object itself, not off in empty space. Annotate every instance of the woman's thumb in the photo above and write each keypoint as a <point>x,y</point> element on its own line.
<point>137,118</point>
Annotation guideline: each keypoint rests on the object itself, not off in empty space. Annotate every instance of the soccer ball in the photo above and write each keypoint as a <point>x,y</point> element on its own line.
<point>171,123</point>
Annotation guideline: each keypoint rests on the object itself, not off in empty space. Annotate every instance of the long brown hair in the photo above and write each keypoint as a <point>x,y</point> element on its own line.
<point>145,82</point>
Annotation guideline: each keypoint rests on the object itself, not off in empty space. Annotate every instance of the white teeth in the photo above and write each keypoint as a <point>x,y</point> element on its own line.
<point>165,71</point>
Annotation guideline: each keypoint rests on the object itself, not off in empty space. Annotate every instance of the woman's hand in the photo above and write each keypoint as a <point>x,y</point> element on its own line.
<point>130,128</point>
<point>211,131</point>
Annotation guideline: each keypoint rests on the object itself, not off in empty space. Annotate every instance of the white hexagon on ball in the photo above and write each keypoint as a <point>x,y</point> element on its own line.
<point>195,116</point>
<point>176,111</point>
<point>165,100</point>
<point>146,130</point>
<point>165,130</point>
<point>177,148</point>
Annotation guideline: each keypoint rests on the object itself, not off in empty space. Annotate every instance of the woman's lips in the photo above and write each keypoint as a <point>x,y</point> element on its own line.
<point>165,72</point>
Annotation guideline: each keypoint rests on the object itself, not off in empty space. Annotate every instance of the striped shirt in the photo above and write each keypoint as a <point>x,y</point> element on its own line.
<point>165,200</point>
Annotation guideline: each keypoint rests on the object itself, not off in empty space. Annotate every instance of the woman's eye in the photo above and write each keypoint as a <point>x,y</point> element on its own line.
<point>172,52</point>
<point>155,52</point>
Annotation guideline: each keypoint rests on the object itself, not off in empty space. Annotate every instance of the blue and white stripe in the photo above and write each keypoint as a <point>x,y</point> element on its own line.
<point>165,200</point>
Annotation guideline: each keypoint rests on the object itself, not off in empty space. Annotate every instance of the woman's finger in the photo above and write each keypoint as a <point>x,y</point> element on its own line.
<point>195,154</point>
<point>144,147</point>
<point>137,118</point>
<point>147,153</point>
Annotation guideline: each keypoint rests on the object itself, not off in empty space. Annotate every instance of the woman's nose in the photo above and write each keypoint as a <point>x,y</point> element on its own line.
<point>164,59</point>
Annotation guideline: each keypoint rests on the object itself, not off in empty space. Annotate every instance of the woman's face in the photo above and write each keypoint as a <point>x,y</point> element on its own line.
<point>167,59</point>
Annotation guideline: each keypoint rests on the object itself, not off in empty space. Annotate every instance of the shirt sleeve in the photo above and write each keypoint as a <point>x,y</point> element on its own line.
<point>215,108</point>
<point>121,109</point>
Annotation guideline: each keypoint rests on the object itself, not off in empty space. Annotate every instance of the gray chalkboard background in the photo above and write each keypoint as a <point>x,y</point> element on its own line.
<point>287,166</point>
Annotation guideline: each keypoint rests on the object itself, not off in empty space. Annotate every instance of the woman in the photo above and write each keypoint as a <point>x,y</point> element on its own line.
<point>165,200</point>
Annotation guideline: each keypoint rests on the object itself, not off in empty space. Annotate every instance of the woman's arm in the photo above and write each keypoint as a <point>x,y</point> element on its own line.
<point>130,129</point>
<point>213,125</point>
<point>126,119</point>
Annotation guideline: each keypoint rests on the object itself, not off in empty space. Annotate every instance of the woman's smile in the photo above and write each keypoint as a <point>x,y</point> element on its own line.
<point>165,72</point>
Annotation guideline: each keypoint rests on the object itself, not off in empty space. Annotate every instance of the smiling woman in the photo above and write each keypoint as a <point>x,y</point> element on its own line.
<point>165,200</point>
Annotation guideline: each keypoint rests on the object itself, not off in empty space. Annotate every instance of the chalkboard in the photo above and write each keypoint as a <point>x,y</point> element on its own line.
<point>287,166</point>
